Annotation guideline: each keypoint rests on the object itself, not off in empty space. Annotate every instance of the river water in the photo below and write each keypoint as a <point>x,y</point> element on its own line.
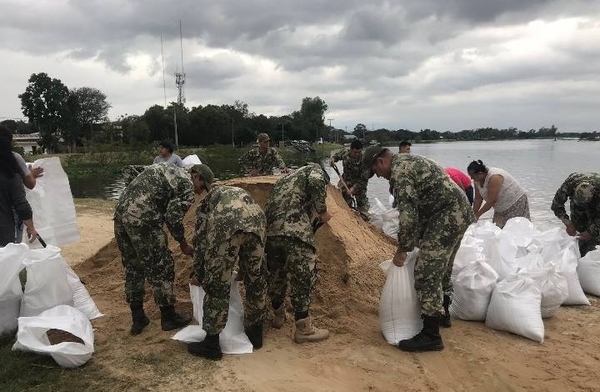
<point>540,166</point>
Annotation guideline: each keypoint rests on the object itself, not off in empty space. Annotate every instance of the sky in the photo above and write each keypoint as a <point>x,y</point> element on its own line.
<point>440,64</point>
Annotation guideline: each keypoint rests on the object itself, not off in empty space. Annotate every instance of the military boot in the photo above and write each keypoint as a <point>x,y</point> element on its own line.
<point>255,334</point>
<point>139,317</point>
<point>170,320</point>
<point>445,319</point>
<point>208,348</point>
<point>429,339</point>
<point>279,316</point>
<point>306,332</point>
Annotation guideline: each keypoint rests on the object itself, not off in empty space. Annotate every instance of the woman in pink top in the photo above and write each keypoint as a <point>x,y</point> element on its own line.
<point>462,180</point>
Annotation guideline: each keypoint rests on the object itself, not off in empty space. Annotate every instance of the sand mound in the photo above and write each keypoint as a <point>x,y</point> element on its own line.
<point>349,252</point>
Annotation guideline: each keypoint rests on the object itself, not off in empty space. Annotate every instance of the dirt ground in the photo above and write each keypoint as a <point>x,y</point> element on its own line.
<point>355,358</point>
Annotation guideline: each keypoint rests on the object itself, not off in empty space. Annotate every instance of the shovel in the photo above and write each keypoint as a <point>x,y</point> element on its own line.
<point>353,205</point>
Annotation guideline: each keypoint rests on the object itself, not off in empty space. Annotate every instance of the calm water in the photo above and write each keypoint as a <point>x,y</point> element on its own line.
<point>540,166</point>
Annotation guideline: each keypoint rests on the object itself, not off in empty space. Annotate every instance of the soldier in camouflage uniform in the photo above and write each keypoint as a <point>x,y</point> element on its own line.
<point>261,160</point>
<point>434,215</point>
<point>130,172</point>
<point>295,209</point>
<point>355,175</point>
<point>230,227</point>
<point>160,194</point>
<point>584,191</point>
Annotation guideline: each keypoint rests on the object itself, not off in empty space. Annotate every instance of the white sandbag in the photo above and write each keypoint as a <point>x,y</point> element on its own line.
<point>11,263</point>
<point>465,255</point>
<point>566,261</point>
<point>553,285</point>
<point>520,230</point>
<point>47,284</point>
<point>82,300</point>
<point>500,253</point>
<point>233,339</point>
<point>472,291</point>
<point>376,212</point>
<point>588,271</point>
<point>191,160</point>
<point>399,307</point>
<point>32,335</point>
<point>483,229</point>
<point>52,204</point>
<point>515,307</point>
<point>390,221</point>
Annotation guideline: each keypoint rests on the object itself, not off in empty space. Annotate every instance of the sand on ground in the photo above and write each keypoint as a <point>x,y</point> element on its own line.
<point>355,358</point>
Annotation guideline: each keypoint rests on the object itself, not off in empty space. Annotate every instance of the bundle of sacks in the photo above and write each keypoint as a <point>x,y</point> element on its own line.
<point>514,277</point>
<point>53,298</point>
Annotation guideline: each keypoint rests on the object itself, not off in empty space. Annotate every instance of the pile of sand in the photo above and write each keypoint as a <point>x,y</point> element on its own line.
<point>349,251</point>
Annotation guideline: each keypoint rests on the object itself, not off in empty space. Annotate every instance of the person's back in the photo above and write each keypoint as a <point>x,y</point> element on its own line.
<point>295,201</point>
<point>426,184</point>
<point>12,196</point>
<point>226,210</point>
<point>510,190</point>
<point>149,196</point>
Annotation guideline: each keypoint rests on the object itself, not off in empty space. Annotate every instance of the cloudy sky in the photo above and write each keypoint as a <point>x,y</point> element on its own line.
<point>415,64</point>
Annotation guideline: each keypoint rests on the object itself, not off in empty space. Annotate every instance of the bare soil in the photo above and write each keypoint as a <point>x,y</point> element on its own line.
<point>355,358</point>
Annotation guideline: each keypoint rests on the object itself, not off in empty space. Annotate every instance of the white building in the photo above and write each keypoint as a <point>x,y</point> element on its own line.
<point>28,141</point>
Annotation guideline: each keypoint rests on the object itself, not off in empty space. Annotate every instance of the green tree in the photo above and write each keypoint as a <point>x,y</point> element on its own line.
<point>360,130</point>
<point>92,108</point>
<point>44,103</point>
<point>312,116</point>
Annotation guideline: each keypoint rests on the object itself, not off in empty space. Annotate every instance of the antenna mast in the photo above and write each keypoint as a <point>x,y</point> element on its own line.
<point>162,56</point>
<point>179,81</point>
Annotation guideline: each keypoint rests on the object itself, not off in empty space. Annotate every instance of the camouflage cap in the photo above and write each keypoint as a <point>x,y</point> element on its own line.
<point>262,137</point>
<point>584,193</point>
<point>370,154</point>
<point>205,172</point>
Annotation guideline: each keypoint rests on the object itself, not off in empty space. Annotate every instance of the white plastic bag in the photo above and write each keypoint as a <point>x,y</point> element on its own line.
<point>191,160</point>
<point>47,284</point>
<point>376,212</point>
<point>233,339</point>
<point>465,255</point>
<point>566,261</point>
<point>52,204</point>
<point>516,307</point>
<point>553,285</point>
<point>520,230</point>
<point>472,291</point>
<point>82,300</point>
<point>588,271</point>
<point>32,335</point>
<point>11,263</point>
<point>399,307</point>
<point>390,220</point>
<point>500,253</point>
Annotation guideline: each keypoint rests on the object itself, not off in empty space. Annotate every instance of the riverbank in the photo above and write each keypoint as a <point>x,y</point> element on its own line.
<point>355,358</point>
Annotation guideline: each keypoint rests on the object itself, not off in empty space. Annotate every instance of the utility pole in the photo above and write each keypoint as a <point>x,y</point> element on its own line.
<point>330,128</point>
<point>282,142</point>
<point>232,137</point>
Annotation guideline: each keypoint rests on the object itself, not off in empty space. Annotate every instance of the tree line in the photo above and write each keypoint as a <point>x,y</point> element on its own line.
<point>70,118</point>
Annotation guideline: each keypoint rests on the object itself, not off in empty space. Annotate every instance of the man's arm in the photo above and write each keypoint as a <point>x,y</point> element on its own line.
<point>278,159</point>
<point>178,207</point>
<point>492,197</point>
<point>408,216</point>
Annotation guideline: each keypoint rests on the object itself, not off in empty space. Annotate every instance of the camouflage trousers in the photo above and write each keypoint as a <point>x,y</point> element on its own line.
<point>145,256</point>
<point>433,268</point>
<point>362,202</point>
<point>582,218</point>
<point>214,269</point>
<point>291,261</point>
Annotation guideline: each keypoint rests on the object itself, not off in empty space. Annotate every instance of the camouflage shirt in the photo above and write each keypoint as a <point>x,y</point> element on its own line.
<point>160,194</point>
<point>295,201</point>
<point>355,174</point>
<point>567,190</point>
<point>253,159</point>
<point>424,192</point>
<point>224,211</point>
<point>130,172</point>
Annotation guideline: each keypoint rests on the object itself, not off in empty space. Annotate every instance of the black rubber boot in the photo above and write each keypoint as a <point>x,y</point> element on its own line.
<point>445,319</point>
<point>139,317</point>
<point>208,348</point>
<point>429,339</point>
<point>169,320</point>
<point>255,334</point>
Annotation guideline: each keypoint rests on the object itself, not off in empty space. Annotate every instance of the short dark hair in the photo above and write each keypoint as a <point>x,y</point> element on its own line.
<point>168,145</point>
<point>356,145</point>
<point>404,143</point>
<point>477,167</point>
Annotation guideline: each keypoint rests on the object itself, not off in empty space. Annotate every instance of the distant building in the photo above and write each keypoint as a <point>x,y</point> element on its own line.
<point>29,142</point>
<point>348,138</point>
